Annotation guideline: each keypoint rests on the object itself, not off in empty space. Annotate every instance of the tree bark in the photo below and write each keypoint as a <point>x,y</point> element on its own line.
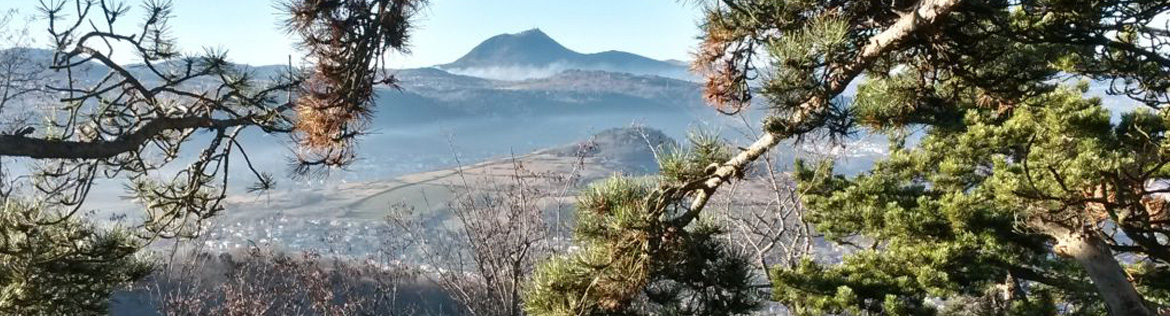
<point>1089,251</point>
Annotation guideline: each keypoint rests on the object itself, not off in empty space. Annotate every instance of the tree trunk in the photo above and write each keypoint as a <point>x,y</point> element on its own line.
<point>1093,255</point>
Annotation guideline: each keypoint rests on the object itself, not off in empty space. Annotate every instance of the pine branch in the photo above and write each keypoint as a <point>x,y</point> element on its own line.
<point>38,148</point>
<point>929,13</point>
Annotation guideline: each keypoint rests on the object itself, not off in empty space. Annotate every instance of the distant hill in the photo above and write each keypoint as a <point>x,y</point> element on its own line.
<point>627,149</point>
<point>533,54</point>
<point>429,95</point>
<point>432,94</point>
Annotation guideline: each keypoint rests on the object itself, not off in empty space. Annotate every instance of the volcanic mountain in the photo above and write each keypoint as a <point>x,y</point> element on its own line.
<point>533,54</point>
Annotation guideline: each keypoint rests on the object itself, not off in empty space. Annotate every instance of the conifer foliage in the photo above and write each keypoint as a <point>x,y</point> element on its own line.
<point>633,261</point>
<point>129,122</point>
<point>63,268</point>
<point>346,42</point>
<point>1006,189</point>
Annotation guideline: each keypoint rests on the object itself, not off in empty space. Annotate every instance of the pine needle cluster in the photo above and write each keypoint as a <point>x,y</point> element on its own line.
<point>61,266</point>
<point>631,259</point>
<point>346,42</point>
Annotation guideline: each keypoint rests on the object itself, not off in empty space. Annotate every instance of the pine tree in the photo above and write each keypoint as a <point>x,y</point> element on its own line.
<point>1006,188</point>
<point>129,123</point>
<point>61,267</point>
<point>632,261</point>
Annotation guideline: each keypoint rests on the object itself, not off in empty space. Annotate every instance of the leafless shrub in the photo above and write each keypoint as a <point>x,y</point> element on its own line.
<point>22,78</point>
<point>501,229</point>
<point>765,218</point>
<point>264,281</point>
<point>22,75</point>
<point>764,214</point>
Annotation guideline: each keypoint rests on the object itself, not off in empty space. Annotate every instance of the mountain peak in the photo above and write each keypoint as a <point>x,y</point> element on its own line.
<point>534,54</point>
<point>532,32</point>
<point>530,36</point>
<point>528,48</point>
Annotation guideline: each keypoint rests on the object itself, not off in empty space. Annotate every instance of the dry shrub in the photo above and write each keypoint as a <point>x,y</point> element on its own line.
<point>267,282</point>
<point>498,228</point>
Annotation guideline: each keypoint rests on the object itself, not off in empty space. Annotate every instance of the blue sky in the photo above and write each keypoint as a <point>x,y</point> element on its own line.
<point>248,29</point>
